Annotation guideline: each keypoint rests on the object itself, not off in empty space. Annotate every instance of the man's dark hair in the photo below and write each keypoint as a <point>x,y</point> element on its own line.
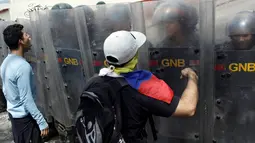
<point>12,35</point>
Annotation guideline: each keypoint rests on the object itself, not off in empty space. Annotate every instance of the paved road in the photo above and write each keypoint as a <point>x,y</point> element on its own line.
<point>5,130</point>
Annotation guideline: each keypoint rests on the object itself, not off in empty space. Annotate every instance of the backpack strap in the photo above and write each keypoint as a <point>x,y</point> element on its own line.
<point>92,80</point>
<point>116,86</point>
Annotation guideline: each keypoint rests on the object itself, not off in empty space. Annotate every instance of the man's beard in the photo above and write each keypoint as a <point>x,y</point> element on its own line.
<point>27,47</point>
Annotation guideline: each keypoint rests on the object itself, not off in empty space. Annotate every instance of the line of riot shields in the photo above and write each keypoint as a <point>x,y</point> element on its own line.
<point>68,49</point>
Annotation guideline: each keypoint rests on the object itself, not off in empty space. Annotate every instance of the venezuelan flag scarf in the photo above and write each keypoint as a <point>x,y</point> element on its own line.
<point>143,81</point>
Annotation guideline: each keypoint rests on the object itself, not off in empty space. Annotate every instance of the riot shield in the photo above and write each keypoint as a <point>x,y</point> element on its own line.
<point>234,85</point>
<point>3,53</point>
<point>35,57</point>
<point>2,43</point>
<point>234,106</point>
<point>110,18</point>
<point>172,30</point>
<point>2,99</point>
<point>65,63</point>
<point>4,48</point>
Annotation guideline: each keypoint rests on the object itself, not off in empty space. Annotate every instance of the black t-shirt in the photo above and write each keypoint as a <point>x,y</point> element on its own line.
<point>136,109</point>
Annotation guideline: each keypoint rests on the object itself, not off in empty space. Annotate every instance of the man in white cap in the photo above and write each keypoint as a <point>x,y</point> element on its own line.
<point>146,94</point>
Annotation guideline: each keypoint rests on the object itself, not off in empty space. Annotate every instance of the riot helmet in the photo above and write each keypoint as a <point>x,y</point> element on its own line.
<point>62,14</point>
<point>241,30</point>
<point>89,14</point>
<point>61,6</point>
<point>100,3</point>
<point>117,18</point>
<point>59,13</point>
<point>176,17</point>
<point>101,6</point>
<point>90,18</point>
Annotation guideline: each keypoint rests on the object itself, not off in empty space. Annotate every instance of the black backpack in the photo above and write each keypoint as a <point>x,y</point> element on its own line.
<point>98,118</point>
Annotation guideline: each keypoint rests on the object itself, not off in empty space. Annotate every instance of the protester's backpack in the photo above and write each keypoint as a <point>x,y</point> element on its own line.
<point>98,117</point>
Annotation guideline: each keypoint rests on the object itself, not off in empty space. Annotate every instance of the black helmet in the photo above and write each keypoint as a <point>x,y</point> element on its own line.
<point>176,11</point>
<point>241,30</point>
<point>100,3</point>
<point>243,23</point>
<point>61,14</point>
<point>62,6</point>
<point>60,11</point>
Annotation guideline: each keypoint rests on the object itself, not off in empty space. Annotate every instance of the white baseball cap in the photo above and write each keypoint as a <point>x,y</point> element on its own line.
<point>121,46</point>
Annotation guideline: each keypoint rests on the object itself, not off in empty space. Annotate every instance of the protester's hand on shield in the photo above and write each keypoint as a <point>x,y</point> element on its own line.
<point>45,132</point>
<point>190,73</point>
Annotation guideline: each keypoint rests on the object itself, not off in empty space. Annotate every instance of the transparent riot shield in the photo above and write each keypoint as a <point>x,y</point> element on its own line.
<point>234,64</point>
<point>2,99</point>
<point>65,63</point>
<point>109,18</point>
<point>3,53</point>
<point>172,30</point>
<point>4,48</point>
<point>35,57</point>
<point>2,43</point>
<point>234,106</point>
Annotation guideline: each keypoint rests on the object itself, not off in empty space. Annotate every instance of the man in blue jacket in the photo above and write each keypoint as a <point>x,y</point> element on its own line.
<point>28,124</point>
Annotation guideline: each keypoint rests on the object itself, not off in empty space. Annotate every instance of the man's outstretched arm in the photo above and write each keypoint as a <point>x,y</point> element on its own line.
<point>188,101</point>
<point>24,87</point>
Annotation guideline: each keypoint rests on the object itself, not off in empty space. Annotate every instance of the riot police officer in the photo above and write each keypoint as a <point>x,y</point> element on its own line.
<point>241,30</point>
<point>179,20</point>
<point>90,21</point>
<point>235,88</point>
<point>61,6</point>
<point>58,16</point>
<point>62,31</point>
<point>116,17</point>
